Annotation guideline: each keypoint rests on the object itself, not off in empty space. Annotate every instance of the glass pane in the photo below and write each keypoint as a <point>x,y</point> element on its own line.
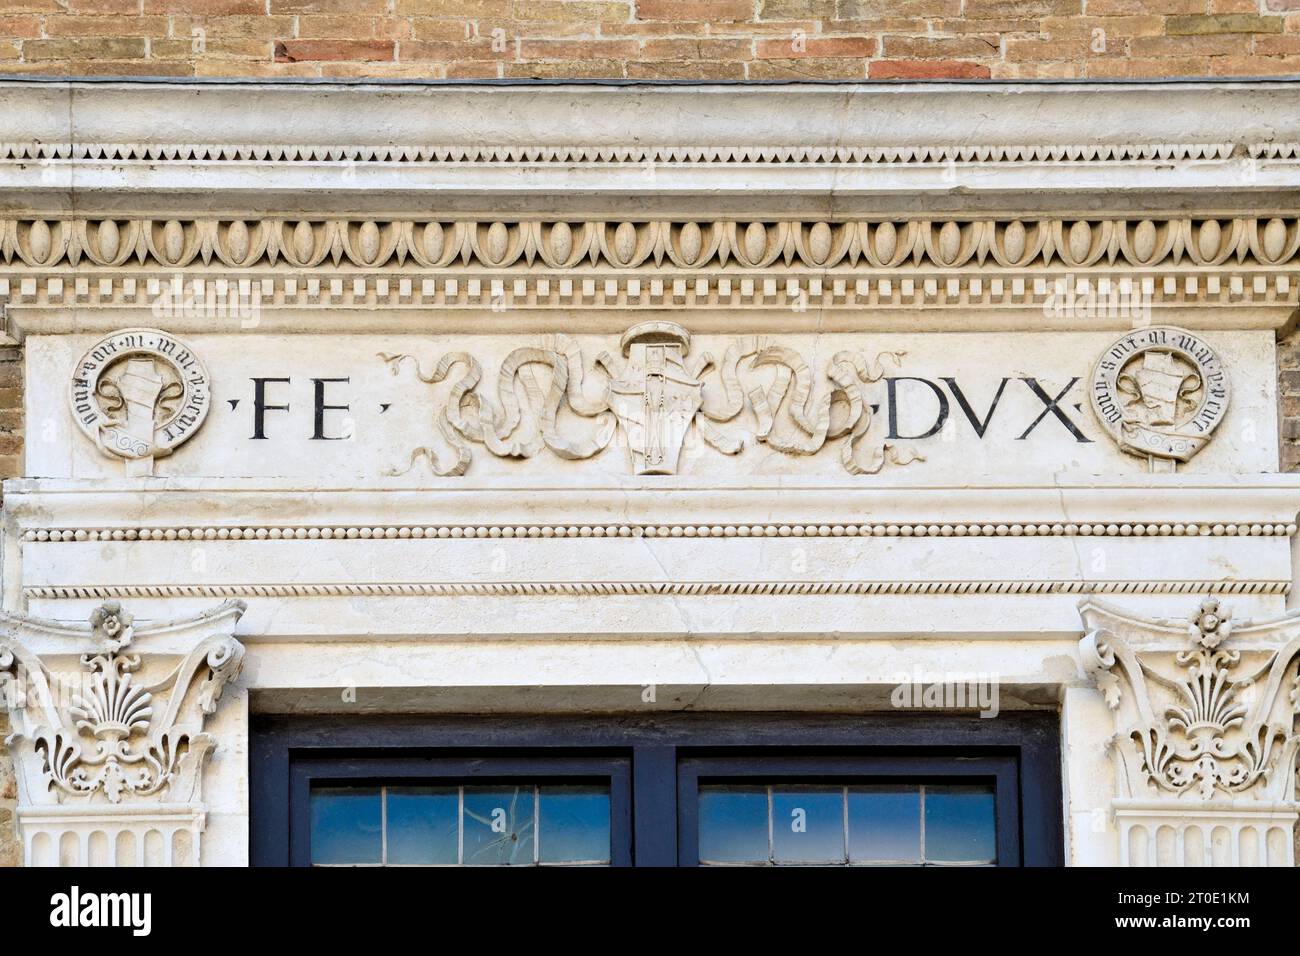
<point>808,824</point>
<point>885,824</point>
<point>959,824</point>
<point>733,824</point>
<point>498,825</point>
<point>345,825</point>
<point>422,824</point>
<point>574,824</point>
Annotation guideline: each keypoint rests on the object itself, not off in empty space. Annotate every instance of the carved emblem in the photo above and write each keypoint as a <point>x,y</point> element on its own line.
<point>1160,393</point>
<point>100,732</point>
<point>657,396</point>
<point>138,394</point>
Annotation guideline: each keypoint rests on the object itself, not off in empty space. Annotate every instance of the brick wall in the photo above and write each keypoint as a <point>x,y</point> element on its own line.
<point>10,850</point>
<point>690,39</point>
<point>11,451</point>
<point>1288,392</point>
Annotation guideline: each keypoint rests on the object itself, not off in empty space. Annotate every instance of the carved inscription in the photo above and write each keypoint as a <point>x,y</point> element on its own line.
<point>1160,392</point>
<point>138,394</point>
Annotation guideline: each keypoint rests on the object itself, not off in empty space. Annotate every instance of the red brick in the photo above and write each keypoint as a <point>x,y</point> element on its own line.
<point>877,9</point>
<point>345,7</point>
<point>577,49</point>
<point>688,50</point>
<point>939,48</point>
<point>19,27</point>
<point>296,51</point>
<point>808,68</point>
<point>688,70</point>
<point>1254,65</point>
<point>568,69</point>
<point>927,69</point>
<point>454,9</point>
<point>207,8</point>
<point>472,69</point>
<point>1283,45</point>
<point>103,6</point>
<point>451,50</point>
<point>1132,67</point>
<point>84,26</point>
<point>982,9</point>
<point>713,10</point>
<point>820,47</point>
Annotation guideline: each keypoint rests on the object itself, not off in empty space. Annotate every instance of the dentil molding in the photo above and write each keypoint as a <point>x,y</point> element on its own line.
<point>109,762</point>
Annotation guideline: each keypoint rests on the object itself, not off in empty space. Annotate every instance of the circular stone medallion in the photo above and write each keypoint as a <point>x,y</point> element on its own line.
<point>139,393</point>
<point>1160,392</point>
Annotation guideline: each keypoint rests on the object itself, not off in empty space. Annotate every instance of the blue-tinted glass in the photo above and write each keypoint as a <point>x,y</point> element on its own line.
<point>959,824</point>
<point>808,824</point>
<point>885,824</point>
<point>733,824</point>
<point>345,825</point>
<point>499,825</point>
<point>573,824</point>
<point>422,824</point>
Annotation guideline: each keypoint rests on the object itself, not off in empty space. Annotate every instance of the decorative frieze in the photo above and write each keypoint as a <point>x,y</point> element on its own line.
<point>655,397</point>
<point>117,739</point>
<point>1205,745</point>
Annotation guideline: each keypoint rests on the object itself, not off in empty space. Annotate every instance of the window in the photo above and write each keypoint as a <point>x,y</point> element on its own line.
<point>503,824</point>
<point>685,789</point>
<point>859,824</point>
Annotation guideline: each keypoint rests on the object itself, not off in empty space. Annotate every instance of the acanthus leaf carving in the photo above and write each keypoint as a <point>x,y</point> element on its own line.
<point>101,733</point>
<point>1208,720</point>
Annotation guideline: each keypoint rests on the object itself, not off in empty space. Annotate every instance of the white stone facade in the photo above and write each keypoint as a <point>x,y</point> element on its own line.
<point>524,399</point>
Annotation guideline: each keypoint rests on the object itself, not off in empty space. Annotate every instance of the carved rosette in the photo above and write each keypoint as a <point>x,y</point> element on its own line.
<point>1205,741</point>
<point>98,744</point>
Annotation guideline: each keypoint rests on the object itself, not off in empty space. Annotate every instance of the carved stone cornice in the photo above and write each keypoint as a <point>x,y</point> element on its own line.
<point>960,145</point>
<point>115,744</point>
<point>1205,715</point>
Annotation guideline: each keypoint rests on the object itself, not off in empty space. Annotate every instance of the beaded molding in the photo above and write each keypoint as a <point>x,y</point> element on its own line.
<point>651,588</point>
<point>765,530</point>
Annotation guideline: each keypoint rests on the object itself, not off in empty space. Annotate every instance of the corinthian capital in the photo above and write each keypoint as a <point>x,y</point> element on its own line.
<point>1205,743</point>
<point>108,726</point>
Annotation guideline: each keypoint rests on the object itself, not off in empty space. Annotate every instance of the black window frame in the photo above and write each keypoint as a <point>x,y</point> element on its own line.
<point>287,752</point>
<point>414,770</point>
<point>840,770</point>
